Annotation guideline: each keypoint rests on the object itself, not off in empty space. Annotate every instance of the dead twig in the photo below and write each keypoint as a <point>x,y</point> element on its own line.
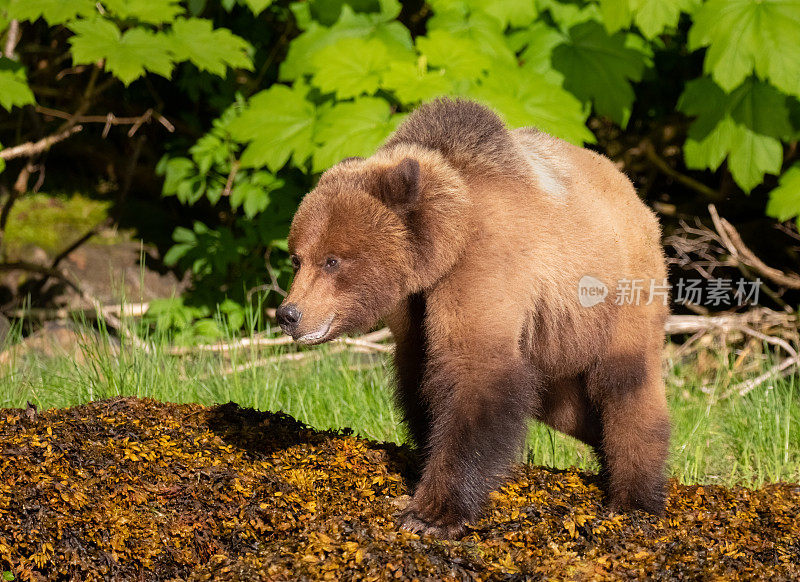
<point>369,341</point>
<point>43,313</point>
<point>781,369</point>
<point>12,38</point>
<point>111,119</point>
<point>104,312</point>
<point>30,149</point>
<point>736,247</point>
<point>687,181</point>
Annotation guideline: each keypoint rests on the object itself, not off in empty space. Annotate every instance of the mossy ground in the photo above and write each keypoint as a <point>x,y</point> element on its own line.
<point>127,489</point>
<point>52,222</point>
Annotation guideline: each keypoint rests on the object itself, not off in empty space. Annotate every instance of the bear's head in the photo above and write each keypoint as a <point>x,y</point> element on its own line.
<point>351,248</point>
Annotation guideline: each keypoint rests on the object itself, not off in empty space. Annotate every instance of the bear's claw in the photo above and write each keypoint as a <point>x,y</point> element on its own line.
<point>411,521</point>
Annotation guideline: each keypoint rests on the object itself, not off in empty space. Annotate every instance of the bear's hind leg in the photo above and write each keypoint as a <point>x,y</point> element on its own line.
<point>629,392</point>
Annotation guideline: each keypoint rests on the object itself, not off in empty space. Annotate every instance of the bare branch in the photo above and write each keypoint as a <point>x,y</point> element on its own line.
<point>781,369</point>
<point>12,38</point>
<point>110,119</point>
<point>736,247</point>
<point>688,181</point>
<point>37,147</point>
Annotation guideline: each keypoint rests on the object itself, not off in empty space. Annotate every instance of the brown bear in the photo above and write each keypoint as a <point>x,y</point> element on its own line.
<point>492,256</point>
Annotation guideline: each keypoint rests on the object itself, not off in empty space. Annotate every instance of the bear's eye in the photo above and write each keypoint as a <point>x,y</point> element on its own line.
<point>331,264</point>
<point>295,262</point>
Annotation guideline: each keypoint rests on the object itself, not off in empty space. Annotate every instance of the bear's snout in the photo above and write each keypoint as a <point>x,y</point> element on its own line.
<point>288,317</point>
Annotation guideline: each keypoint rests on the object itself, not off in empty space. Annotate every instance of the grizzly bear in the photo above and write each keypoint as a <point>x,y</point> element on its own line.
<point>475,244</point>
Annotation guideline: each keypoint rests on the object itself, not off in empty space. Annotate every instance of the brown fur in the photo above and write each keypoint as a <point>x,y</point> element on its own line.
<point>470,240</point>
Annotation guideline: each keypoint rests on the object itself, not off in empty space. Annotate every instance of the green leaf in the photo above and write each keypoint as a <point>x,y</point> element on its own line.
<point>2,161</point>
<point>459,58</point>
<point>53,11</point>
<point>784,201</point>
<point>14,90</point>
<point>278,124</point>
<point>655,16</point>
<point>568,15</point>
<point>753,155</point>
<point>535,45</point>
<point>128,56</point>
<point>350,67</point>
<point>257,6</point>
<point>652,17</point>
<point>600,68</point>
<point>484,30</point>
<point>175,172</point>
<point>526,99</point>
<point>150,11</point>
<point>299,59</point>
<point>745,36</point>
<point>355,128</point>
<point>744,125</point>
<point>414,83</point>
<point>617,14</point>
<point>253,194</point>
<point>209,49</point>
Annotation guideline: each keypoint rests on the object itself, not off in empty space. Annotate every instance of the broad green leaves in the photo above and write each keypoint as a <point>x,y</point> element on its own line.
<point>54,11</point>
<point>211,50</point>
<point>524,99</point>
<point>459,58</point>
<point>652,17</point>
<point>745,125</point>
<point>300,60</point>
<point>127,55</point>
<point>600,68</point>
<point>130,54</point>
<point>743,36</point>
<point>784,201</point>
<point>14,90</point>
<point>350,67</point>
<point>413,83</point>
<point>278,124</point>
<point>353,128</point>
<point>149,11</point>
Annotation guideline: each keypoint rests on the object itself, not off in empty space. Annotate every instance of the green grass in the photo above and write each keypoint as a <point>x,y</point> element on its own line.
<point>740,440</point>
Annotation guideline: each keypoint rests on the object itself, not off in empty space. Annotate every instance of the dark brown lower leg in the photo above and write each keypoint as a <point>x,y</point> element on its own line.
<point>478,428</point>
<point>409,360</point>
<point>630,395</point>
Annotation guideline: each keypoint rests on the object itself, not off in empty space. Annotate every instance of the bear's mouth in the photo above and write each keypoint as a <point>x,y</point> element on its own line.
<point>318,336</point>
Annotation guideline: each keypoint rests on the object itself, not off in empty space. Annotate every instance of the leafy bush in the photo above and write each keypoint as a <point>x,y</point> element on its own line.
<point>344,73</point>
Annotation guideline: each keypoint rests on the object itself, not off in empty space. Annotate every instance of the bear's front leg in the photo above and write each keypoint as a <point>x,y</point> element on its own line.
<point>479,408</point>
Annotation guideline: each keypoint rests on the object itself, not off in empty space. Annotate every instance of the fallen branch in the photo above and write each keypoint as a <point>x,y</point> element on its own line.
<point>33,148</point>
<point>735,245</point>
<point>105,313</point>
<point>368,341</point>
<point>41,313</point>
<point>111,119</point>
<point>784,368</point>
<point>687,181</point>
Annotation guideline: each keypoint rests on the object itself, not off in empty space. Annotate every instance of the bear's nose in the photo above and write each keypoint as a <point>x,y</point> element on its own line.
<point>288,316</point>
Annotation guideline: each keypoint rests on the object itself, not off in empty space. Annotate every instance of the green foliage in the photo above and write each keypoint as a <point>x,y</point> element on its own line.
<point>784,203</point>
<point>743,37</point>
<point>599,68</point>
<point>342,74</point>
<point>14,90</point>
<point>745,125</point>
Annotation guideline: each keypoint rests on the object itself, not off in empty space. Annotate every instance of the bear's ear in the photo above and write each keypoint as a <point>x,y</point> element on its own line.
<point>398,187</point>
